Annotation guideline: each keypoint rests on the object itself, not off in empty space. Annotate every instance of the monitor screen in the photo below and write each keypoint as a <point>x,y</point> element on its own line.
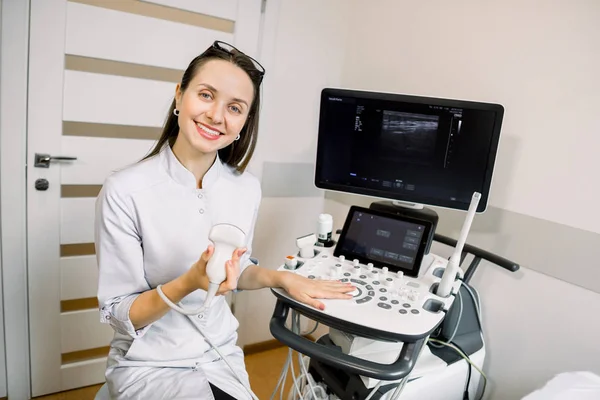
<point>384,239</point>
<point>416,149</point>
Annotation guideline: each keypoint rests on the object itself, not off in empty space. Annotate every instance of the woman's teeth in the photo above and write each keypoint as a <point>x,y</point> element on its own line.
<point>207,130</point>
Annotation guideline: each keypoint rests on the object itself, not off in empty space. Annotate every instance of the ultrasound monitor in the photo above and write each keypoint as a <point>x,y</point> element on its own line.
<point>419,150</point>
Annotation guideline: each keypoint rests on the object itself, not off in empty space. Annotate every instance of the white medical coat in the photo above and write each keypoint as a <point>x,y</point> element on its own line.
<point>152,224</point>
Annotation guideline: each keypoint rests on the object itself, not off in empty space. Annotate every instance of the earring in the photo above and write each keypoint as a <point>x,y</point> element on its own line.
<point>176,111</point>
<point>238,137</point>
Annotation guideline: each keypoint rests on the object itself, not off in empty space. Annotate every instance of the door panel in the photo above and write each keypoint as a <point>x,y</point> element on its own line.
<point>107,34</point>
<point>78,277</point>
<point>99,90</point>
<point>223,8</point>
<point>81,331</point>
<point>115,99</point>
<point>77,220</point>
<point>79,374</point>
<point>93,165</point>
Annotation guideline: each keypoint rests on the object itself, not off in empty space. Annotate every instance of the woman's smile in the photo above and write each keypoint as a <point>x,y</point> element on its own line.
<point>207,132</point>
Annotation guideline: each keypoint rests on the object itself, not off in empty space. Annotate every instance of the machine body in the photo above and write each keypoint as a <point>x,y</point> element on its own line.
<point>380,339</point>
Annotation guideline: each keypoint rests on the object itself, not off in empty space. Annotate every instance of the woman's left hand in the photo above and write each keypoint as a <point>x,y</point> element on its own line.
<point>308,291</point>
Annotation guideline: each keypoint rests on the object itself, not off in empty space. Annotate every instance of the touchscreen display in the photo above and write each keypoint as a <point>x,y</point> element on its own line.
<point>382,240</point>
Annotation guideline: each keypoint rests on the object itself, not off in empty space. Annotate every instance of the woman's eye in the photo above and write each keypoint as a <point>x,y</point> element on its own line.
<point>236,109</point>
<point>205,95</point>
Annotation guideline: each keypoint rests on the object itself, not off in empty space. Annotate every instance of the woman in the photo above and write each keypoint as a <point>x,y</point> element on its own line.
<point>152,223</point>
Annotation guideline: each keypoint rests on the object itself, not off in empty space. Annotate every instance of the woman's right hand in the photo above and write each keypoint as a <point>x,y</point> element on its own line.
<point>199,279</point>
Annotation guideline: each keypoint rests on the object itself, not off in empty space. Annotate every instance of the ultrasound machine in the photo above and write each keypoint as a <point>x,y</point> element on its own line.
<point>413,328</point>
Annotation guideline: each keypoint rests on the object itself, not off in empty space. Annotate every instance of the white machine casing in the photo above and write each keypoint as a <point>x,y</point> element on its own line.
<point>410,307</point>
<point>404,312</point>
<point>429,369</point>
<point>394,308</point>
<point>431,378</point>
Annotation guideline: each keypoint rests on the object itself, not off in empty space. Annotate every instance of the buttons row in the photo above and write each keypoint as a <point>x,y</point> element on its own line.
<point>395,302</point>
<point>404,311</point>
<point>408,294</point>
<point>386,306</point>
<point>371,294</point>
<point>369,267</point>
<point>404,293</point>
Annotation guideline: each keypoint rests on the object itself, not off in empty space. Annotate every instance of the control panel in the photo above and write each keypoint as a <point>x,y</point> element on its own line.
<point>385,303</point>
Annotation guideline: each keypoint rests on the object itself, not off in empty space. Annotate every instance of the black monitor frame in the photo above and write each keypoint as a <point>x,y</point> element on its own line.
<point>409,197</point>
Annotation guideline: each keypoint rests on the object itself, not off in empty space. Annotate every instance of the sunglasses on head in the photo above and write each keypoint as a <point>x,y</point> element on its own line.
<point>229,49</point>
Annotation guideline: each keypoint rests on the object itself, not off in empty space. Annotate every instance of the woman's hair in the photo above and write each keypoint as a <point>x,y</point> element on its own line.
<point>239,152</point>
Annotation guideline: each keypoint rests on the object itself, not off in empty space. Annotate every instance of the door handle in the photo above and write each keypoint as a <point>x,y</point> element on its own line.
<point>43,160</point>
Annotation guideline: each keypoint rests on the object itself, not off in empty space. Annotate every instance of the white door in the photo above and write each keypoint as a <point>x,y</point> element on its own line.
<point>101,78</point>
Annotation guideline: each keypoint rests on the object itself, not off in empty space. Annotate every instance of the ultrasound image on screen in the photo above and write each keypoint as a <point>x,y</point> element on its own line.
<point>410,148</point>
<point>409,136</point>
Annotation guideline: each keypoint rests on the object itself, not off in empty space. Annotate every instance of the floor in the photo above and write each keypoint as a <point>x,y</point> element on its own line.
<point>264,369</point>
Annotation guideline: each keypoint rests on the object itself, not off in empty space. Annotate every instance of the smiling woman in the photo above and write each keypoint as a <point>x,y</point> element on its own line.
<point>212,118</point>
<point>152,233</point>
<point>233,105</point>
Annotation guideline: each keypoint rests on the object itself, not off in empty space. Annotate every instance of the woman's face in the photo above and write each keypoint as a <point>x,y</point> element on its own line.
<point>214,107</point>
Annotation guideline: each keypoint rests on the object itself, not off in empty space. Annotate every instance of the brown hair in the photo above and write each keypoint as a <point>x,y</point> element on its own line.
<point>238,153</point>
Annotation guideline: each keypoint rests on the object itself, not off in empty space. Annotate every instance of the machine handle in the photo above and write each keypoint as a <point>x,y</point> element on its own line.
<point>328,355</point>
<point>477,252</point>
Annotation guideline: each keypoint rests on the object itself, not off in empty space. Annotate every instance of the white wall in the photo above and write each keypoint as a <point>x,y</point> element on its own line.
<point>535,327</point>
<point>302,52</point>
<point>539,59</point>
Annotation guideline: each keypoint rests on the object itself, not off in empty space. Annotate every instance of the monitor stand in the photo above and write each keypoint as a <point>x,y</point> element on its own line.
<point>411,210</point>
<point>406,204</point>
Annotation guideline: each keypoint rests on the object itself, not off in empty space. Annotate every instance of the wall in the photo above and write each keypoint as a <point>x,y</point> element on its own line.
<point>302,53</point>
<point>540,63</point>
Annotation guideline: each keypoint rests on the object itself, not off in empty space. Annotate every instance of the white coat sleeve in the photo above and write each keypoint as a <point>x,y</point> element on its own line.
<point>120,259</point>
